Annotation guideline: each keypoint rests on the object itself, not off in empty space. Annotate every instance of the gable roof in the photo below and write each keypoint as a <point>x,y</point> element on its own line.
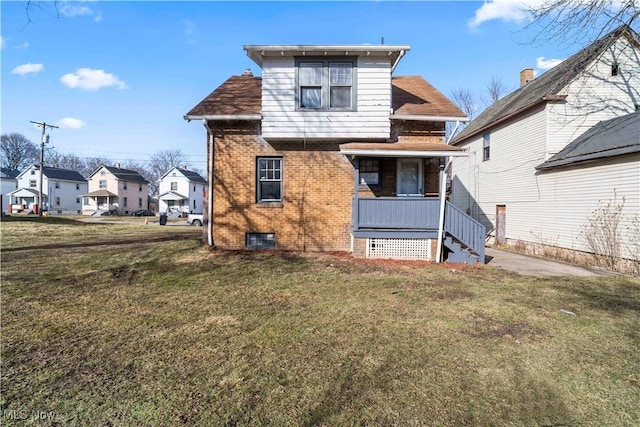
<point>413,95</point>
<point>190,175</point>
<point>240,97</point>
<point>64,174</point>
<point>544,88</point>
<point>609,138</point>
<point>123,174</point>
<point>55,173</point>
<point>9,173</point>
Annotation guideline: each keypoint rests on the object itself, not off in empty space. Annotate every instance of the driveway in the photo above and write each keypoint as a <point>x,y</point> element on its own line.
<point>533,266</point>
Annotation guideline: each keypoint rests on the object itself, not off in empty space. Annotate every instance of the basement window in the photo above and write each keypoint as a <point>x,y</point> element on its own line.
<point>260,240</point>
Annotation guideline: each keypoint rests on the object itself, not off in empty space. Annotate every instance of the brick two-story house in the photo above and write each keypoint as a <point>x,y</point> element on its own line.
<point>328,152</point>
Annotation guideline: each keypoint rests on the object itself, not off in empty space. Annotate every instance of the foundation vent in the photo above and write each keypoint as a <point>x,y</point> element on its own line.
<point>419,249</point>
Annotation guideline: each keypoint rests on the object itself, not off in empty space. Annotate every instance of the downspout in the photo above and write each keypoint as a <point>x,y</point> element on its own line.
<point>455,130</point>
<point>209,183</point>
<point>443,200</point>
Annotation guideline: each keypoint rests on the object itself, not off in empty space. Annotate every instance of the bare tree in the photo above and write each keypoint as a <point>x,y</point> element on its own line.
<point>17,152</point>
<point>160,163</point>
<point>65,161</point>
<point>465,100</point>
<point>496,89</point>
<point>574,20</point>
<point>92,164</point>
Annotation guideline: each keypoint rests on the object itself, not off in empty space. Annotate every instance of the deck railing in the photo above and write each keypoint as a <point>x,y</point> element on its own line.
<point>402,213</point>
<point>465,229</point>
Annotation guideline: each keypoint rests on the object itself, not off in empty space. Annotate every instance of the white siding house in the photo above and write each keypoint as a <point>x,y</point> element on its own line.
<point>8,183</point>
<point>181,190</point>
<point>511,140</point>
<point>61,190</point>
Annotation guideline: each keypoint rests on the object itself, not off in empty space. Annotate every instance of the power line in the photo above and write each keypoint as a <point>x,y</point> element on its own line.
<point>45,139</point>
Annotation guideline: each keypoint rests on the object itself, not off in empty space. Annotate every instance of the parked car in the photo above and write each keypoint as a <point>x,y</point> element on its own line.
<point>143,212</point>
<point>194,219</point>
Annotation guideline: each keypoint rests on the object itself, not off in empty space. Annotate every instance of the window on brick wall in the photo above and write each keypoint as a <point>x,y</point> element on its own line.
<point>269,179</point>
<point>370,172</point>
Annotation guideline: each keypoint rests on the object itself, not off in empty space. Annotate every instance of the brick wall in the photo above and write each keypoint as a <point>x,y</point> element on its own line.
<point>317,188</point>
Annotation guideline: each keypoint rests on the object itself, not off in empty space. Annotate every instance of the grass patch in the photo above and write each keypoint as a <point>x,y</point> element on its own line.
<point>115,324</point>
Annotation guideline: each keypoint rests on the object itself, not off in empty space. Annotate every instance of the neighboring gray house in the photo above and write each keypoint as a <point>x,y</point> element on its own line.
<point>61,190</point>
<point>8,183</point>
<point>546,156</point>
<point>181,190</point>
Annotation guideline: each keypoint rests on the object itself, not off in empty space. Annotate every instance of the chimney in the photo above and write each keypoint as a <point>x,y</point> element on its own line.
<point>247,72</point>
<point>184,167</point>
<point>117,165</point>
<point>526,76</point>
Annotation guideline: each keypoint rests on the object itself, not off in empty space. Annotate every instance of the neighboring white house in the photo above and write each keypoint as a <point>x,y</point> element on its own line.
<point>181,190</point>
<point>8,183</point>
<point>512,180</point>
<point>62,190</point>
<point>120,191</point>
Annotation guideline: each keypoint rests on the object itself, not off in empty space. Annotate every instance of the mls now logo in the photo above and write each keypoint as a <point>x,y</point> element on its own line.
<point>15,414</point>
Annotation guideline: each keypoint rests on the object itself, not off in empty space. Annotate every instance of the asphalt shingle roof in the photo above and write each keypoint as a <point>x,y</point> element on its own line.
<point>413,95</point>
<point>63,174</point>
<point>9,173</point>
<point>125,174</point>
<point>609,138</point>
<point>242,95</point>
<point>547,85</point>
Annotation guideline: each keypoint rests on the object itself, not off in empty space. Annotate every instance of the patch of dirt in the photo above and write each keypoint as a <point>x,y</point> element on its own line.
<point>485,327</point>
<point>123,273</point>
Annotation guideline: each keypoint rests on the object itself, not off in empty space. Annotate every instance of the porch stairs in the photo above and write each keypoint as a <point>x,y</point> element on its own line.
<point>464,237</point>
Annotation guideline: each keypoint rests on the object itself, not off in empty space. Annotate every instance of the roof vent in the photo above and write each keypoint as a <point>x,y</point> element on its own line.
<point>247,72</point>
<point>526,76</point>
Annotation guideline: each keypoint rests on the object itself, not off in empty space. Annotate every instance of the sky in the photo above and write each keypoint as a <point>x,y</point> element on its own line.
<point>117,77</point>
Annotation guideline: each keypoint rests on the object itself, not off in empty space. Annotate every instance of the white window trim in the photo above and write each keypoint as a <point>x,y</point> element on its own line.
<point>325,88</point>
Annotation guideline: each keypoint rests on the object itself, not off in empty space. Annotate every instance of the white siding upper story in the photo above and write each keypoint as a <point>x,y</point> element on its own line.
<point>369,120</point>
<point>595,95</point>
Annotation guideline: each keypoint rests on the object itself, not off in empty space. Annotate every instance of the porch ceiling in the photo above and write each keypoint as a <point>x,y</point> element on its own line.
<point>100,193</point>
<point>401,149</point>
<point>171,195</point>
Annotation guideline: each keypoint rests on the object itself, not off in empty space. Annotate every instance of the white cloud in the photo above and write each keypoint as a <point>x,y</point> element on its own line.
<point>28,69</point>
<point>72,10</point>
<point>506,10</point>
<point>70,123</point>
<point>89,79</point>
<point>545,64</point>
<point>2,43</point>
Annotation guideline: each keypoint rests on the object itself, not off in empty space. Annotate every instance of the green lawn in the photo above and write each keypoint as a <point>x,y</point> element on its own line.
<point>134,325</point>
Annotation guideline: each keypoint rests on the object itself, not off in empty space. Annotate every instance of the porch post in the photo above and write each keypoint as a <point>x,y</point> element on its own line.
<point>354,203</point>
<point>442,194</point>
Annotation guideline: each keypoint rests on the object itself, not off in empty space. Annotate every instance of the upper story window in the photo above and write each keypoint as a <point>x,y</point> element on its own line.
<point>139,187</point>
<point>326,85</point>
<point>32,183</point>
<point>77,186</point>
<point>57,184</point>
<point>486,146</point>
<point>102,183</point>
<point>124,185</point>
<point>174,186</point>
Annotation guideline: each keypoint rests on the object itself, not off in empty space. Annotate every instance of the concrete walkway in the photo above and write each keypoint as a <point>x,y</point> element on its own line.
<point>533,266</point>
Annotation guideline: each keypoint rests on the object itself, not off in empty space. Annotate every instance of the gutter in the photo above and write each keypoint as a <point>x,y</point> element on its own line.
<point>428,118</point>
<point>402,153</point>
<point>223,117</point>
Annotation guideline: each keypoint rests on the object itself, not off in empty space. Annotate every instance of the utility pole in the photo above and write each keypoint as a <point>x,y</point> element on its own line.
<point>45,139</point>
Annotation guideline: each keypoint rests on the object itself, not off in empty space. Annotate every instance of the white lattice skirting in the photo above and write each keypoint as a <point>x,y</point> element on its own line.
<point>399,248</point>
